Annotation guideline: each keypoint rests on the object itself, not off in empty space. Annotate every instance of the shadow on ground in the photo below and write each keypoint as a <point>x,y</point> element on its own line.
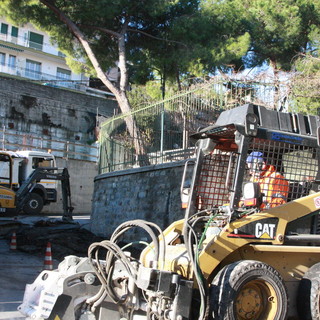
<point>65,238</point>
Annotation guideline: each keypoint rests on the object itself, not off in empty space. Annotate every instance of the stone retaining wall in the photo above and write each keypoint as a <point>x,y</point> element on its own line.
<point>150,193</point>
<point>53,113</point>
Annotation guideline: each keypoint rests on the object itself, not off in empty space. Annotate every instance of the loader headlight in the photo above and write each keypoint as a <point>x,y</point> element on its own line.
<point>249,190</point>
<point>251,194</point>
<point>185,197</point>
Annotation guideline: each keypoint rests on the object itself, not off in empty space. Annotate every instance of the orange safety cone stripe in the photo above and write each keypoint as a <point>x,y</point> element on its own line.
<point>48,265</point>
<point>13,243</point>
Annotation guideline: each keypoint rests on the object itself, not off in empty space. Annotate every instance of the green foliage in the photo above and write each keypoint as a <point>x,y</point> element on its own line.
<point>172,41</point>
<point>232,49</point>
<point>140,97</point>
<point>306,81</point>
<point>279,29</point>
<point>168,40</point>
<point>89,16</point>
<point>205,39</point>
<point>306,86</point>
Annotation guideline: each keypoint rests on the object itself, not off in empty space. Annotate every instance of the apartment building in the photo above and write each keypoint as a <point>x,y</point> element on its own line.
<point>27,53</point>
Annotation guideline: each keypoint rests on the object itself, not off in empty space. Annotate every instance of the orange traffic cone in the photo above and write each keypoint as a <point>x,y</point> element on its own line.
<point>13,243</point>
<point>48,258</point>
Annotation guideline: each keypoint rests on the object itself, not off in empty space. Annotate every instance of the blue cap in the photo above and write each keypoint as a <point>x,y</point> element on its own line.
<point>255,156</point>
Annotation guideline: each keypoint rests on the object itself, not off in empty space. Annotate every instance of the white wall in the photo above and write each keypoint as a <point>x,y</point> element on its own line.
<point>48,57</point>
<point>82,174</point>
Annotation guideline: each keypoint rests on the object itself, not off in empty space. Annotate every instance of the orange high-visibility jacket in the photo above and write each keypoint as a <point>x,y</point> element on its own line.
<point>274,187</point>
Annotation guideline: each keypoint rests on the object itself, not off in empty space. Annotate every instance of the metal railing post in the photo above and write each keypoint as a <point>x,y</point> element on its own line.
<point>67,150</point>
<point>162,131</point>
<point>3,138</point>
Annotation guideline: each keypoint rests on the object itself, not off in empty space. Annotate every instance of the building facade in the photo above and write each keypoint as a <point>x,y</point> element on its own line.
<point>27,53</point>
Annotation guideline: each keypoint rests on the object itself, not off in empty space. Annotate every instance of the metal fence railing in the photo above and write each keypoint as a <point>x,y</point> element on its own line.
<point>11,141</point>
<point>166,126</point>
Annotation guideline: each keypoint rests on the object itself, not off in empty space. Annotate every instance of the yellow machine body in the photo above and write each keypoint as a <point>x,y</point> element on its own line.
<point>7,199</point>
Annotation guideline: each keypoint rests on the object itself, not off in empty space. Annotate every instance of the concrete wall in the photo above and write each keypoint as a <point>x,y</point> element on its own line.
<point>150,193</point>
<point>51,112</point>
<point>57,114</point>
<point>82,175</point>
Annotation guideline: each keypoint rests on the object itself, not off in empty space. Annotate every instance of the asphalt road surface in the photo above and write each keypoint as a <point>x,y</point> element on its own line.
<point>17,269</point>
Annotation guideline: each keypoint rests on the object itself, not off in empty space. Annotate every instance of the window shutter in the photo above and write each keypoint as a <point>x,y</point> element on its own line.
<point>36,37</point>
<point>35,40</point>
<point>14,31</point>
<point>4,28</point>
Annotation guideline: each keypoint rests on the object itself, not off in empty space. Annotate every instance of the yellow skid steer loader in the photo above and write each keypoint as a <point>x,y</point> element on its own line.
<point>247,248</point>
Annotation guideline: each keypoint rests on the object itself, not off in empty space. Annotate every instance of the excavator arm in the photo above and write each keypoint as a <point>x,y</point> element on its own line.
<point>50,173</point>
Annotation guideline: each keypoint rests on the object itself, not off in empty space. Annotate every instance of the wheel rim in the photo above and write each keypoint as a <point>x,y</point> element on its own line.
<point>257,299</point>
<point>33,204</point>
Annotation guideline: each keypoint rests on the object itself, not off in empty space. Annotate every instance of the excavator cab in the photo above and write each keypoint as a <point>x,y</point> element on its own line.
<point>5,170</point>
<point>7,195</point>
<point>20,192</point>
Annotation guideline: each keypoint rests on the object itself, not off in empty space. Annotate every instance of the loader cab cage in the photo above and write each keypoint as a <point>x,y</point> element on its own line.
<point>223,171</point>
<point>212,188</point>
<point>220,176</point>
<point>298,164</point>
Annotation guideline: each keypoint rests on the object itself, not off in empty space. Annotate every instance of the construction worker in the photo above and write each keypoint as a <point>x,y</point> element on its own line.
<point>274,187</point>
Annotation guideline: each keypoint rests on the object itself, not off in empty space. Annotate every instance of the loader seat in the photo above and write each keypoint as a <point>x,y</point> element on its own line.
<point>298,189</point>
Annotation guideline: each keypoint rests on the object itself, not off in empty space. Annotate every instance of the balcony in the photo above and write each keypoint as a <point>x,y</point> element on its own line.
<point>45,79</point>
<point>19,43</point>
<point>54,81</point>
<point>25,42</point>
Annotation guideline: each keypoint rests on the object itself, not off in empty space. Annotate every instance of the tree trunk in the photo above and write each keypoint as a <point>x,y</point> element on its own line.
<point>134,132</point>
<point>178,80</point>
<point>120,94</point>
<point>276,96</point>
<point>138,144</point>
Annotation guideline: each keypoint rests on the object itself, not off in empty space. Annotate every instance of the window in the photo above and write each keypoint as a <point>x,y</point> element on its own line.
<point>63,74</point>
<point>42,163</point>
<point>2,59</point>
<point>4,28</point>
<point>12,61</point>
<point>35,40</point>
<point>33,69</point>
<point>14,32</point>
<point>4,170</point>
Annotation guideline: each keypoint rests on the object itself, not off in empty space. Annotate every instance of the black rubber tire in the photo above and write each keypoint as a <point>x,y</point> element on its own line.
<point>34,204</point>
<point>248,289</point>
<point>309,294</point>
